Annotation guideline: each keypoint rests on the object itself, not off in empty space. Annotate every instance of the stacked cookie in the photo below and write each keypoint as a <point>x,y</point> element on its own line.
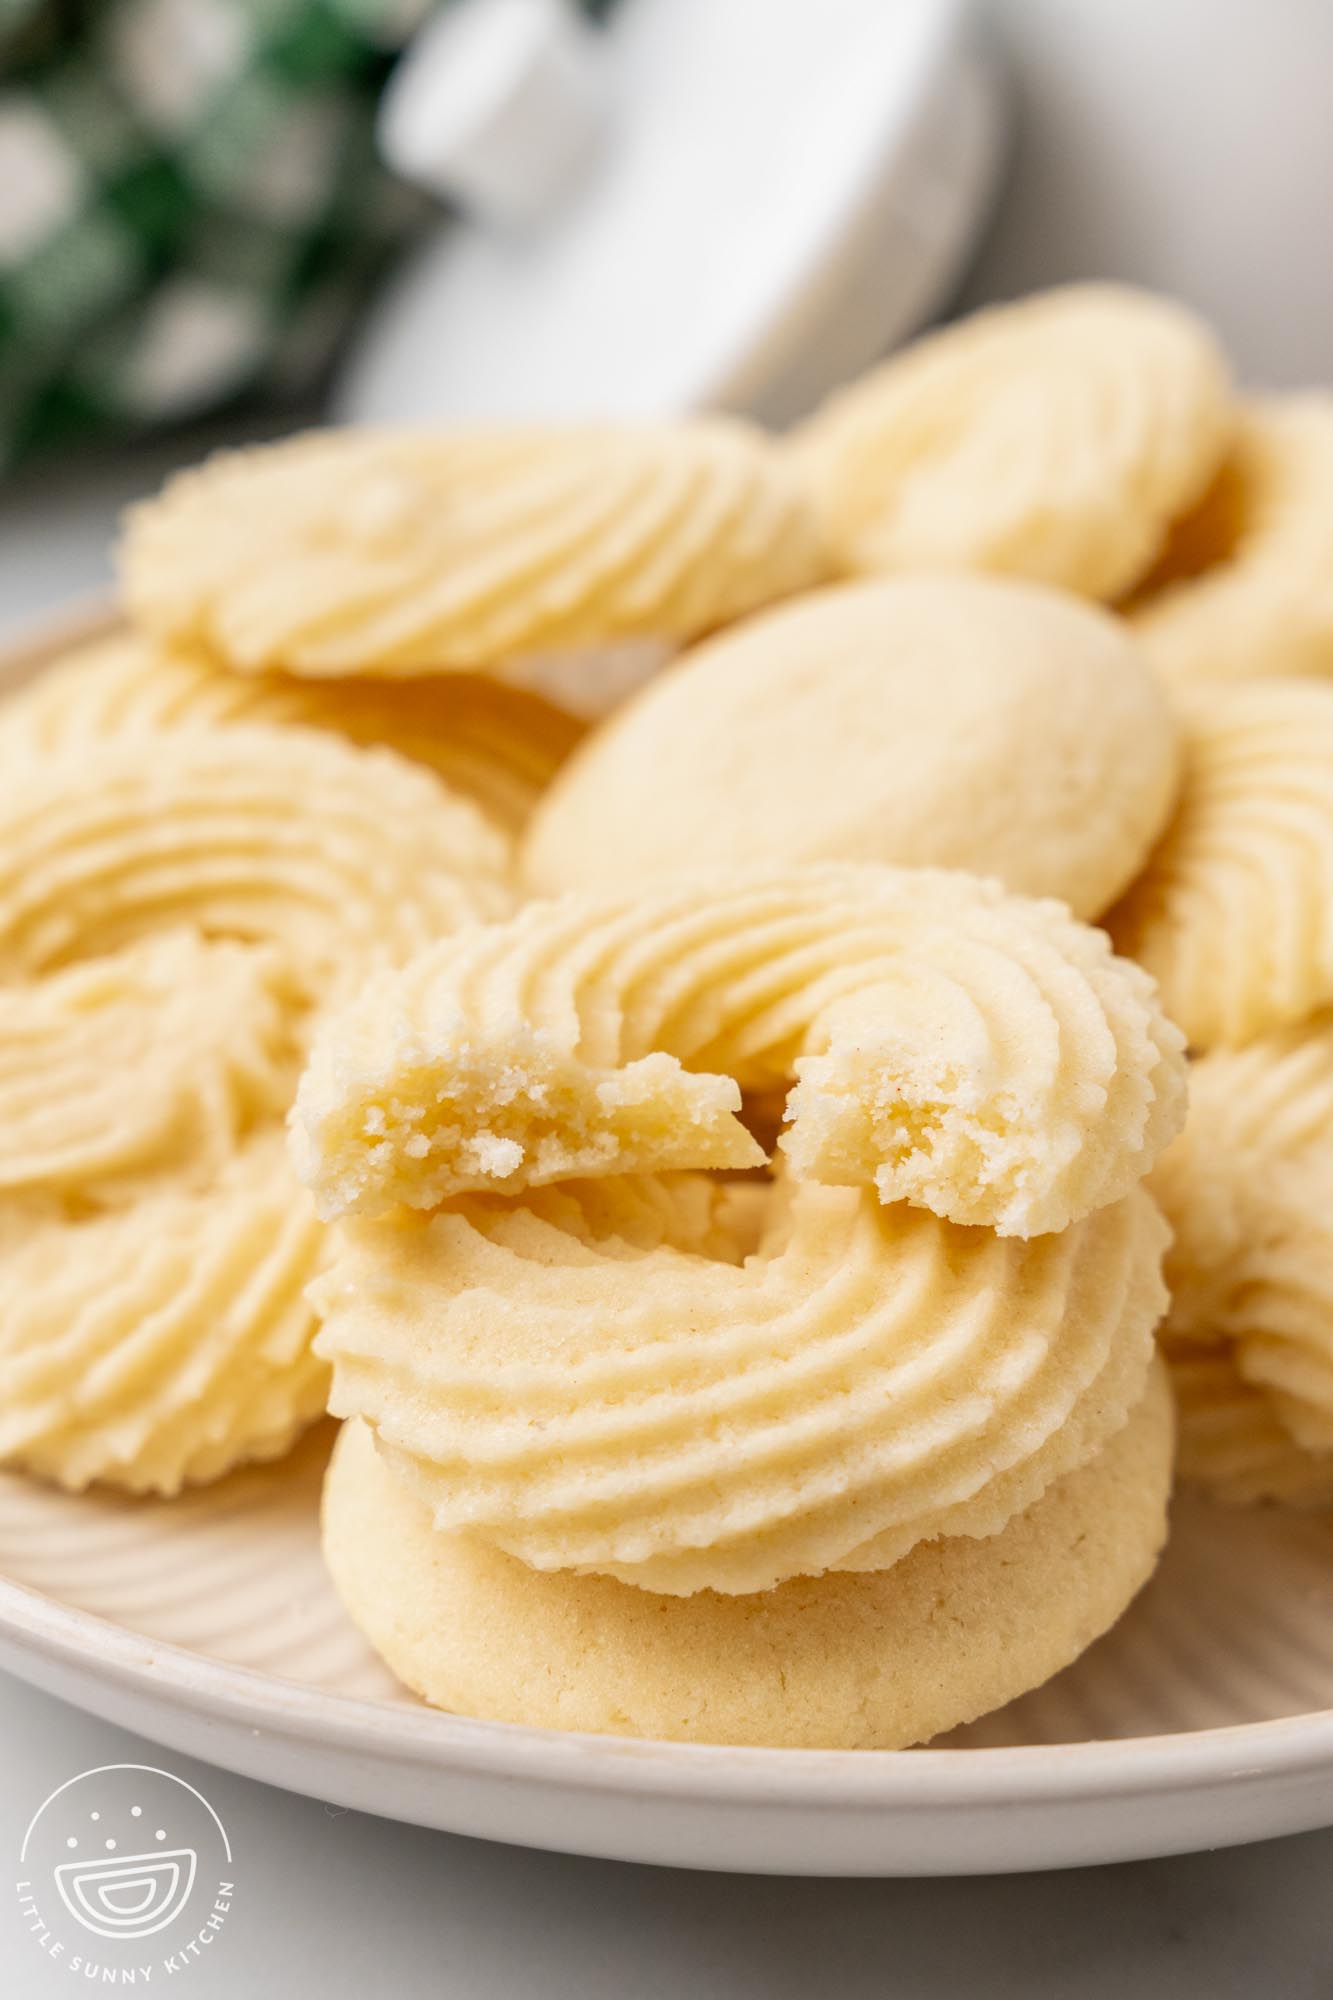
<point>724,1181</point>
<point>658,1453</point>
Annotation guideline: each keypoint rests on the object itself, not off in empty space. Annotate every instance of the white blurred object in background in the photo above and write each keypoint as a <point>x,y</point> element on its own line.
<point>1186,145</point>
<point>498,107</point>
<point>723,204</point>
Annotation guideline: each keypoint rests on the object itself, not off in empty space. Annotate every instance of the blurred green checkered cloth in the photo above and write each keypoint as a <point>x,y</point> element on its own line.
<point>190,202</point>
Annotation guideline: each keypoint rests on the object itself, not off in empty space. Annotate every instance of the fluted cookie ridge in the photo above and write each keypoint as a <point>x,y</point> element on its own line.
<point>339,857</point>
<point>156,1345</point>
<point>405,553</point>
<point>585,1397</point>
<point>496,745</point>
<point>976,1053</point>
<point>1233,913</point>
<point>1056,438</point>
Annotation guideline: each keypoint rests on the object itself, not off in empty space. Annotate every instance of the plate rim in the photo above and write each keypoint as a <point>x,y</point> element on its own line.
<point>1098,1771</point>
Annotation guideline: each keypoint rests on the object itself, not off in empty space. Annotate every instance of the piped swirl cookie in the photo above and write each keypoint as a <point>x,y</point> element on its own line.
<point>1248,1190</point>
<point>955,722</point>
<point>147,1065</point>
<point>1244,587</point>
<point>397,553</point>
<point>1057,438</point>
<point>1230,1441</point>
<point>160,1343</point>
<point>172,908</point>
<point>973,1053</point>
<point>1233,915</point>
<point>498,746</point>
<point>340,858</point>
<point>573,1379</point>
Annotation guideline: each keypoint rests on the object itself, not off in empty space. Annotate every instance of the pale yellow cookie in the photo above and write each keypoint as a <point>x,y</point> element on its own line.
<point>980,1055</point>
<point>1248,1190</point>
<point>959,721</point>
<point>341,858</point>
<point>150,1063</point>
<point>1245,585</point>
<point>1279,1305</point>
<point>162,1343</point>
<point>1231,1443</point>
<point>551,1379</point>
<point>391,553</point>
<point>171,907</point>
<point>1233,914</point>
<point>1056,438</point>
<point>868,1662</point>
<point>499,746</point>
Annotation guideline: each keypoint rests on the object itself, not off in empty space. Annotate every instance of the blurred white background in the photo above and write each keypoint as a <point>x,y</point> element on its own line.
<point>1184,144</point>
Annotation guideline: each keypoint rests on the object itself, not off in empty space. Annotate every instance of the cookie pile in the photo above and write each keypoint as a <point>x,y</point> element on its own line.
<point>201,853</point>
<point>175,910</point>
<point>730,1187</point>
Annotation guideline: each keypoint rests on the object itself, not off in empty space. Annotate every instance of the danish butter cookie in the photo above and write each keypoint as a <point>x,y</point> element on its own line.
<point>1056,438</point>
<point>549,1378</point>
<point>960,722</point>
<point>976,1054</point>
<point>1248,1190</point>
<point>340,858</point>
<point>392,553</point>
<point>869,1662</point>
<point>170,909</point>
<point>1233,915</point>
<point>1245,584</point>
<point>1231,1442</point>
<point>151,1062</point>
<point>164,1342</point>
<point>499,746</point>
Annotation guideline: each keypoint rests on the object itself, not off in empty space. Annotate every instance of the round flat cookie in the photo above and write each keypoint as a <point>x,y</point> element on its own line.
<point>1057,438</point>
<point>960,722</point>
<point>870,1661</point>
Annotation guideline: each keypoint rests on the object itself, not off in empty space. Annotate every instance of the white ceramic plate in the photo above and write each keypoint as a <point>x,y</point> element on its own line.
<point>1205,1719</point>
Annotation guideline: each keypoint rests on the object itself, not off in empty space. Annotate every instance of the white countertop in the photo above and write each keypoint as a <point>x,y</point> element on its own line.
<point>334,1904</point>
